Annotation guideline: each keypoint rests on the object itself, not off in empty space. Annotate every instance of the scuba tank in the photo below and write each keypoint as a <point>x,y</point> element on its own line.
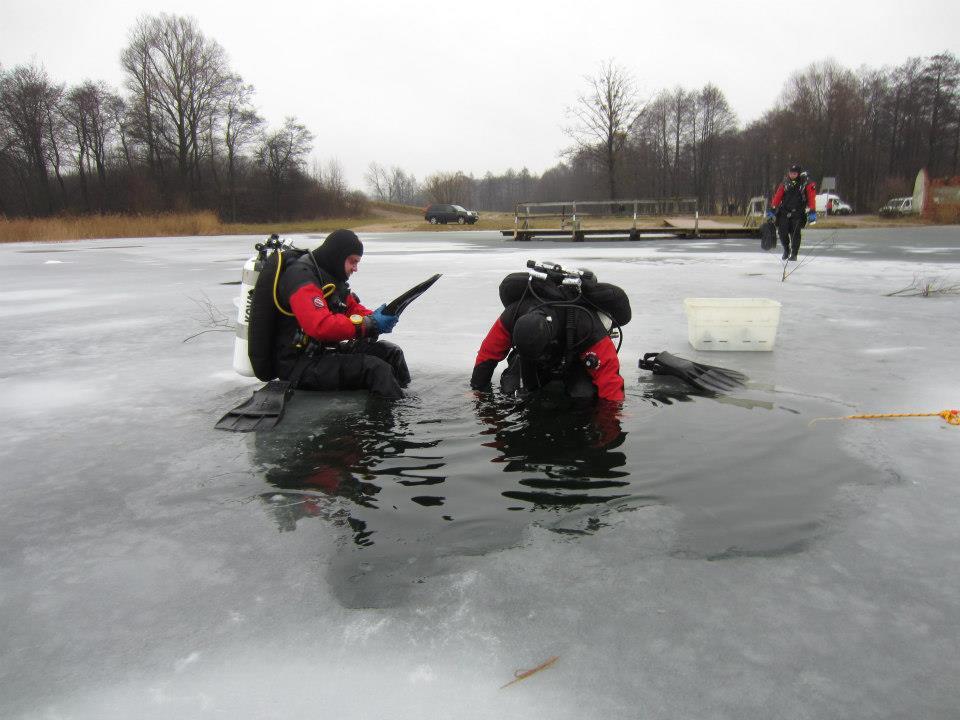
<point>248,279</point>
<point>244,303</point>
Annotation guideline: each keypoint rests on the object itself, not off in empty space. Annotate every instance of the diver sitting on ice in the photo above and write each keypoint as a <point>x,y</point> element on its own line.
<point>556,327</point>
<point>299,322</point>
<point>323,327</point>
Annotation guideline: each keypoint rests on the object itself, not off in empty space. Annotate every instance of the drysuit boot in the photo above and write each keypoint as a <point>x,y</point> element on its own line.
<point>789,225</point>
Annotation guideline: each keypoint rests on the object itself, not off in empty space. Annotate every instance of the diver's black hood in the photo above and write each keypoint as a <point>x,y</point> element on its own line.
<point>533,333</point>
<point>334,251</point>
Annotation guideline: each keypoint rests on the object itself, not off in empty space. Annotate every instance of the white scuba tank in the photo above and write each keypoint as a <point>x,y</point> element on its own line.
<point>241,355</point>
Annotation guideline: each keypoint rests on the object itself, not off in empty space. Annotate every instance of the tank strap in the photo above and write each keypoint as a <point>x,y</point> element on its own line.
<point>298,370</point>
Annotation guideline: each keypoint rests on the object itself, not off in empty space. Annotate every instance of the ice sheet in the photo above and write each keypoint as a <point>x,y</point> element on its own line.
<point>144,574</point>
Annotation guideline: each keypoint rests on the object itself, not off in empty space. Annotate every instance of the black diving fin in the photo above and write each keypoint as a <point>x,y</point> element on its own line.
<point>705,377</point>
<point>261,411</point>
<point>768,235</point>
<point>399,304</point>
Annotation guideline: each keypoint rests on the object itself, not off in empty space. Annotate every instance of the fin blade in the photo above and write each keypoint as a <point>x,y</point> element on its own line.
<point>261,411</point>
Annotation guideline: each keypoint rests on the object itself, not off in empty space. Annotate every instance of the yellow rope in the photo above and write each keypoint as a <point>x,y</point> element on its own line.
<point>951,416</point>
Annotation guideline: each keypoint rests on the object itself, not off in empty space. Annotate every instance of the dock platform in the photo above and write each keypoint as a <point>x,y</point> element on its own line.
<point>678,218</point>
<point>681,228</point>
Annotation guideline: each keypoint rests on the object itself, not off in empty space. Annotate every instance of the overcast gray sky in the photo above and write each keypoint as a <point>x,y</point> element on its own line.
<point>483,85</point>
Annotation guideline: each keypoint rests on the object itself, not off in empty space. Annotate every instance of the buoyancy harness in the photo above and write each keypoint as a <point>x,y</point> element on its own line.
<point>553,286</point>
<point>794,195</point>
<point>576,292</point>
<point>261,310</point>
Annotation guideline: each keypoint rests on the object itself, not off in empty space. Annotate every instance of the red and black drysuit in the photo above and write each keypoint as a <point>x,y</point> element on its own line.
<point>588,365</point>
<point>364,364</point>
<point>792,200</point>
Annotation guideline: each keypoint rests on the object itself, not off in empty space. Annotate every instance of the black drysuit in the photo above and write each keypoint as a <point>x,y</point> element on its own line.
<point>336,353</point>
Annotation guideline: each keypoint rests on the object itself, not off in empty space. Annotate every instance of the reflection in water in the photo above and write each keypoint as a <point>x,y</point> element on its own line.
<point>418,482</point>
<point>557,457</point>
<point>341,461</point>
<point>569,449</point>
<point>666,390</point>
<point>444,474</point>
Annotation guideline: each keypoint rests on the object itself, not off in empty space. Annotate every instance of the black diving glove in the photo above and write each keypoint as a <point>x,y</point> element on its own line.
<point>482,375</point>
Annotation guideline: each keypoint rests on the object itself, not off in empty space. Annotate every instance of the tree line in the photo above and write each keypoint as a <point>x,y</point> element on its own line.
<point>872,129</point>
<point>181,134</point>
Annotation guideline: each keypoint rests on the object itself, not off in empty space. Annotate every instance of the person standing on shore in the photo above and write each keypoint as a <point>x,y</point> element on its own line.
<point>794,204</point>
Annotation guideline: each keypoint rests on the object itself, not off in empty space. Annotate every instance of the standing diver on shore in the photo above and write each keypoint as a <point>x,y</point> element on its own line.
<point>555,326</point>
<point>794,204</point>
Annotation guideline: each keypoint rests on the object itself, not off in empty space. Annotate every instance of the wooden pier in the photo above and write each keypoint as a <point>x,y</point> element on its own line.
<point>572,214</point>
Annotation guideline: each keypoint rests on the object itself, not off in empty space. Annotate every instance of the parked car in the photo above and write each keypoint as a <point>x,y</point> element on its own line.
<point>897,207</point>
<point>838,207</point>
<point>450,213</point>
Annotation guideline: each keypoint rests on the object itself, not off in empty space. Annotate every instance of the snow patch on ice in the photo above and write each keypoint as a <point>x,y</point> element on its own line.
<point>891,350</point>
<point>182,664</point>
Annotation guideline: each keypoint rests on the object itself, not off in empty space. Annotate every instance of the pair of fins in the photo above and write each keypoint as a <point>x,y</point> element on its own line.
<point>264,409</point>
<point>709,378</point>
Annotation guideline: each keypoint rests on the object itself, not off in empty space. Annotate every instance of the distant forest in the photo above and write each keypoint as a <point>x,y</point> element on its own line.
<point>183,133</point>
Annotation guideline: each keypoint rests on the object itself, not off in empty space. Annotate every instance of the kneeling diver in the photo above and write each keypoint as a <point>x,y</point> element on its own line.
<point>554,330</point>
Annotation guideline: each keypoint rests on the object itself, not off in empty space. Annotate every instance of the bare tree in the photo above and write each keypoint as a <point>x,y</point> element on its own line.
<point>283,154</point>
<point>27,102</point>
<point>394,185</point>
<point>241,126</point>
<point>177,75</point>
<point>143,116</point>
<point>603,117</point>
<point>378,181</point>
<point>941,79</point>
<point>89,114</point>
<point>403,187</point>
<point>334,180</point>
<point>446,187</point>
<point>712,119</point>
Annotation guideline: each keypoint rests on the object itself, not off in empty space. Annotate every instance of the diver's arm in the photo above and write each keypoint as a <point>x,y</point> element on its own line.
<point>493,349</point>
<point>777,197</point>
<point>354,306</point>
<point>605,370</point>
<point>312,312</point>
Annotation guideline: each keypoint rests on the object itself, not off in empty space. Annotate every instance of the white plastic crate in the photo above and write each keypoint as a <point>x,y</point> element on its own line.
<point>732,324</point>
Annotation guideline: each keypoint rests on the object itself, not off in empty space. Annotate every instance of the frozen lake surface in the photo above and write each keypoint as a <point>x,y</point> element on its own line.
<point>693,557</point>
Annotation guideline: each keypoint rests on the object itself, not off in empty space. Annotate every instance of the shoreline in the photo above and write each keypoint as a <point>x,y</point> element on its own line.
<point>379,220</point>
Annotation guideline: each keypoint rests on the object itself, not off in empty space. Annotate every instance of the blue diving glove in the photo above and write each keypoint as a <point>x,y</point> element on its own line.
<point>385,323</point>
<point>771,214</point>
<point>811,217</point>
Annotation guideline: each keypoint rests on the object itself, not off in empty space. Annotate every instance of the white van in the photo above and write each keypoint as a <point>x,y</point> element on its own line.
<point>897,207</point>
<point>839,207</point>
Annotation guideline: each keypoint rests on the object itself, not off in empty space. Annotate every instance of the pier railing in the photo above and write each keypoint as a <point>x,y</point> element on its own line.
<point>571,213</point>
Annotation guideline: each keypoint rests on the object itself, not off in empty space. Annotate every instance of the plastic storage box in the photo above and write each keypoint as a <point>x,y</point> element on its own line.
<point>733,324</point>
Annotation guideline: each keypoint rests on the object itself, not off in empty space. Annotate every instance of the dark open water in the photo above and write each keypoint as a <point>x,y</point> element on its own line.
<point>444,474</point>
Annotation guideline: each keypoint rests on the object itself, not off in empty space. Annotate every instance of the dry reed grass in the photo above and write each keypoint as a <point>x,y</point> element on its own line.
<point>81,227</point>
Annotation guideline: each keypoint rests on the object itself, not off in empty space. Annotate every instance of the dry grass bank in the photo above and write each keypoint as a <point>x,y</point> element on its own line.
<point>81,227</point>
